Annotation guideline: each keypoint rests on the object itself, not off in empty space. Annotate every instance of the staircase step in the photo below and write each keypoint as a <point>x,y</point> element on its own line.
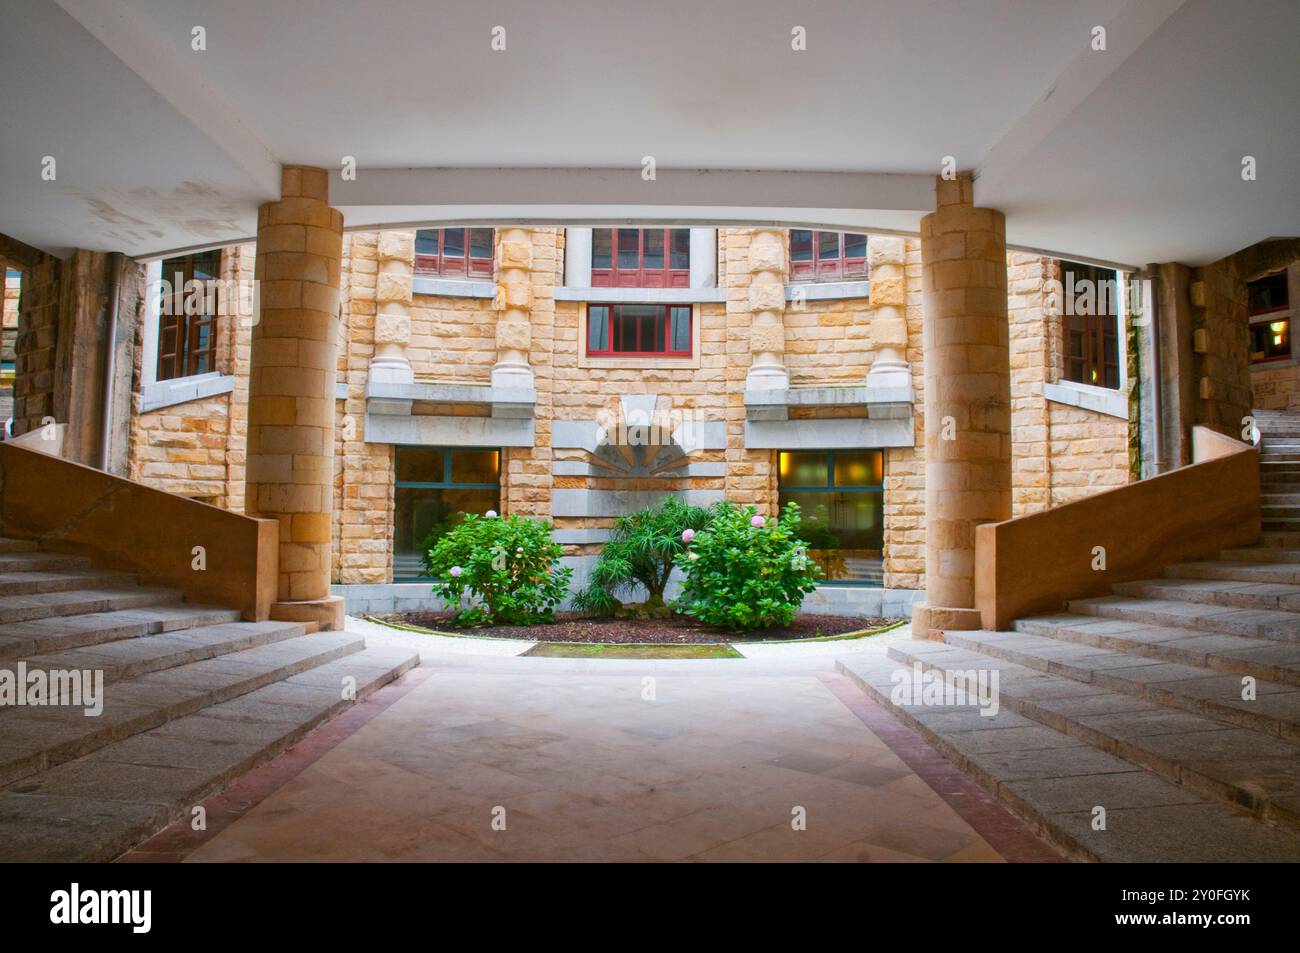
<point>99,806</point>
<point>126,658</point>
<point>1055,781</point>
<point>1236,765</point>
<point>1216,592</point>
<point>1262,554</point>
<point>1259,658</point>
<point>1280,540</point>
<point>47,605</point>
<point>40,562</point>
<point>8,545</point>
<point>61,633</point>
<point>1249,623</point>
<point>61,580</point>
<point>1232,571</point>
<point>39,737</point>
<point>1274,712</point>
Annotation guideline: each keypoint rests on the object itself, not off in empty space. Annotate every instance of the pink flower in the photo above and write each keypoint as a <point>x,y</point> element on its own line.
<point>455,571</point>
<point>758,522</point>
<point>688,535</point>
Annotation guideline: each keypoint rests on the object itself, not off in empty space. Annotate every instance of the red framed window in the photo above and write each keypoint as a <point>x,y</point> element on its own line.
<point>454,252</point>
<point>1092,340</point>
<point>639,330</point>
<point>187,342</point>
<point>640,257</point>
<point>1269,307</point>
<point>827,256</point>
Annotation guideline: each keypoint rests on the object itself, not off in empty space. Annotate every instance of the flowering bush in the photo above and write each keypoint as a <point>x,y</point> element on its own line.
<point>507,566</point>
<point>743,571</point>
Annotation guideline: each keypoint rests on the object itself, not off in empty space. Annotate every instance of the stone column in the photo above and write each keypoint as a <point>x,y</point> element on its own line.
<point>291,389</point>
<point>887,257</point>
<point>389,364</point>
<point>967,398</point>
<point>767,273</point>
<point>513,303</point>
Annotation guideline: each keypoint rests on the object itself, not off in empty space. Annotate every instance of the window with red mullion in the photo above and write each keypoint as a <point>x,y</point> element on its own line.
<point>639,330</point>
<point>454,252</point>
<point>640,258</point>
<point>827,256</point>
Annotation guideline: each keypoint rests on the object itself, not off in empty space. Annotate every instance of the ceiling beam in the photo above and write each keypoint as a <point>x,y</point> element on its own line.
<point>613,188</point>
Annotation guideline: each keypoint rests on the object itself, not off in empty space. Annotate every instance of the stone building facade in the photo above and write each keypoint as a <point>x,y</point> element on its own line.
<point>754,380</point>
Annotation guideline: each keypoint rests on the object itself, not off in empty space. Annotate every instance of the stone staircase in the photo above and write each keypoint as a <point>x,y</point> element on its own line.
<point>1133,702</point>
<point>1279,470</point>
<point>193,697</point>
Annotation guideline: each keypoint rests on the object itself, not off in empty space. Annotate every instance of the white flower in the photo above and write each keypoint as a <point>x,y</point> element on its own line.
<point>694,556</point>
<point>490,514</point>
<point>455,571</point>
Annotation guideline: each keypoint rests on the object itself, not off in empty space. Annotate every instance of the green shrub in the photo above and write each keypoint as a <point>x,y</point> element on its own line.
<point>740,575</point>
<point>641,550</point>
<point>507,566</point>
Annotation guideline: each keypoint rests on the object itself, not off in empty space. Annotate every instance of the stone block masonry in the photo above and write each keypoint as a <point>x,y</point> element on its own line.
<point>198,448</point>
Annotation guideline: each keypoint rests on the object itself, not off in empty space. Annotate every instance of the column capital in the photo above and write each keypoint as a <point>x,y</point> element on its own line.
<point>958,190</point>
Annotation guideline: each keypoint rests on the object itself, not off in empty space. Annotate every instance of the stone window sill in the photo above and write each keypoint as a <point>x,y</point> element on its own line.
<point>454,287</point>
<point>641,295</point>
<point>827,290</point>
<point>181,390</point>
<point>1101,400</point>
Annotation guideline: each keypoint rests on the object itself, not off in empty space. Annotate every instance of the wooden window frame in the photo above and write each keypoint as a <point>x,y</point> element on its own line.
<point>641,277</point>
<point>1091,331</point>
<point>180,351</point>
<point>830,267</point>
<point>465,265</point>
<point>1267,316</point>
<point>666,312</point>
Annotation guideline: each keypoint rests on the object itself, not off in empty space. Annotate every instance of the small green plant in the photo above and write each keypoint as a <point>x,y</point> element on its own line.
<point>641,551</point>
<point>744,571</point>
<point>507,566</point>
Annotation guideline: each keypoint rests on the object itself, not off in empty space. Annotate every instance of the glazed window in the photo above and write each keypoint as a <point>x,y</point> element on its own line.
<point>841,497</point>
<point>186,342</point>
<point>454,252</point>
<point>1091,325</point>
<point>1269,307</point>
<point>13,283</point>
<point>827,256</point>
<point>641,258</point>
<point>433,488</point>
<point>638,330</point>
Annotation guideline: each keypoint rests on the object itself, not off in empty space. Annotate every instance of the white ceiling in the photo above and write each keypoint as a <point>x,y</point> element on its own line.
<point>1131,155</point>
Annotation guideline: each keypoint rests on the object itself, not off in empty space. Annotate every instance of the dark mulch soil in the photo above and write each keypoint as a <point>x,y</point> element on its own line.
<point>574,627</point>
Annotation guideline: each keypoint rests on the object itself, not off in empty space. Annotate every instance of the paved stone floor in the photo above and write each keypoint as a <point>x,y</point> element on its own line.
<point>601,760</point>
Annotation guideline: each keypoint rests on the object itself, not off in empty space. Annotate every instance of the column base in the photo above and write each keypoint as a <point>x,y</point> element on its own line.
<point>326,613</point>
<point>929,622</point>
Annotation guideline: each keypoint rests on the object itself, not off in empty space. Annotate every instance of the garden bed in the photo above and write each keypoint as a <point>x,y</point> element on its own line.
<point>676,629</point>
